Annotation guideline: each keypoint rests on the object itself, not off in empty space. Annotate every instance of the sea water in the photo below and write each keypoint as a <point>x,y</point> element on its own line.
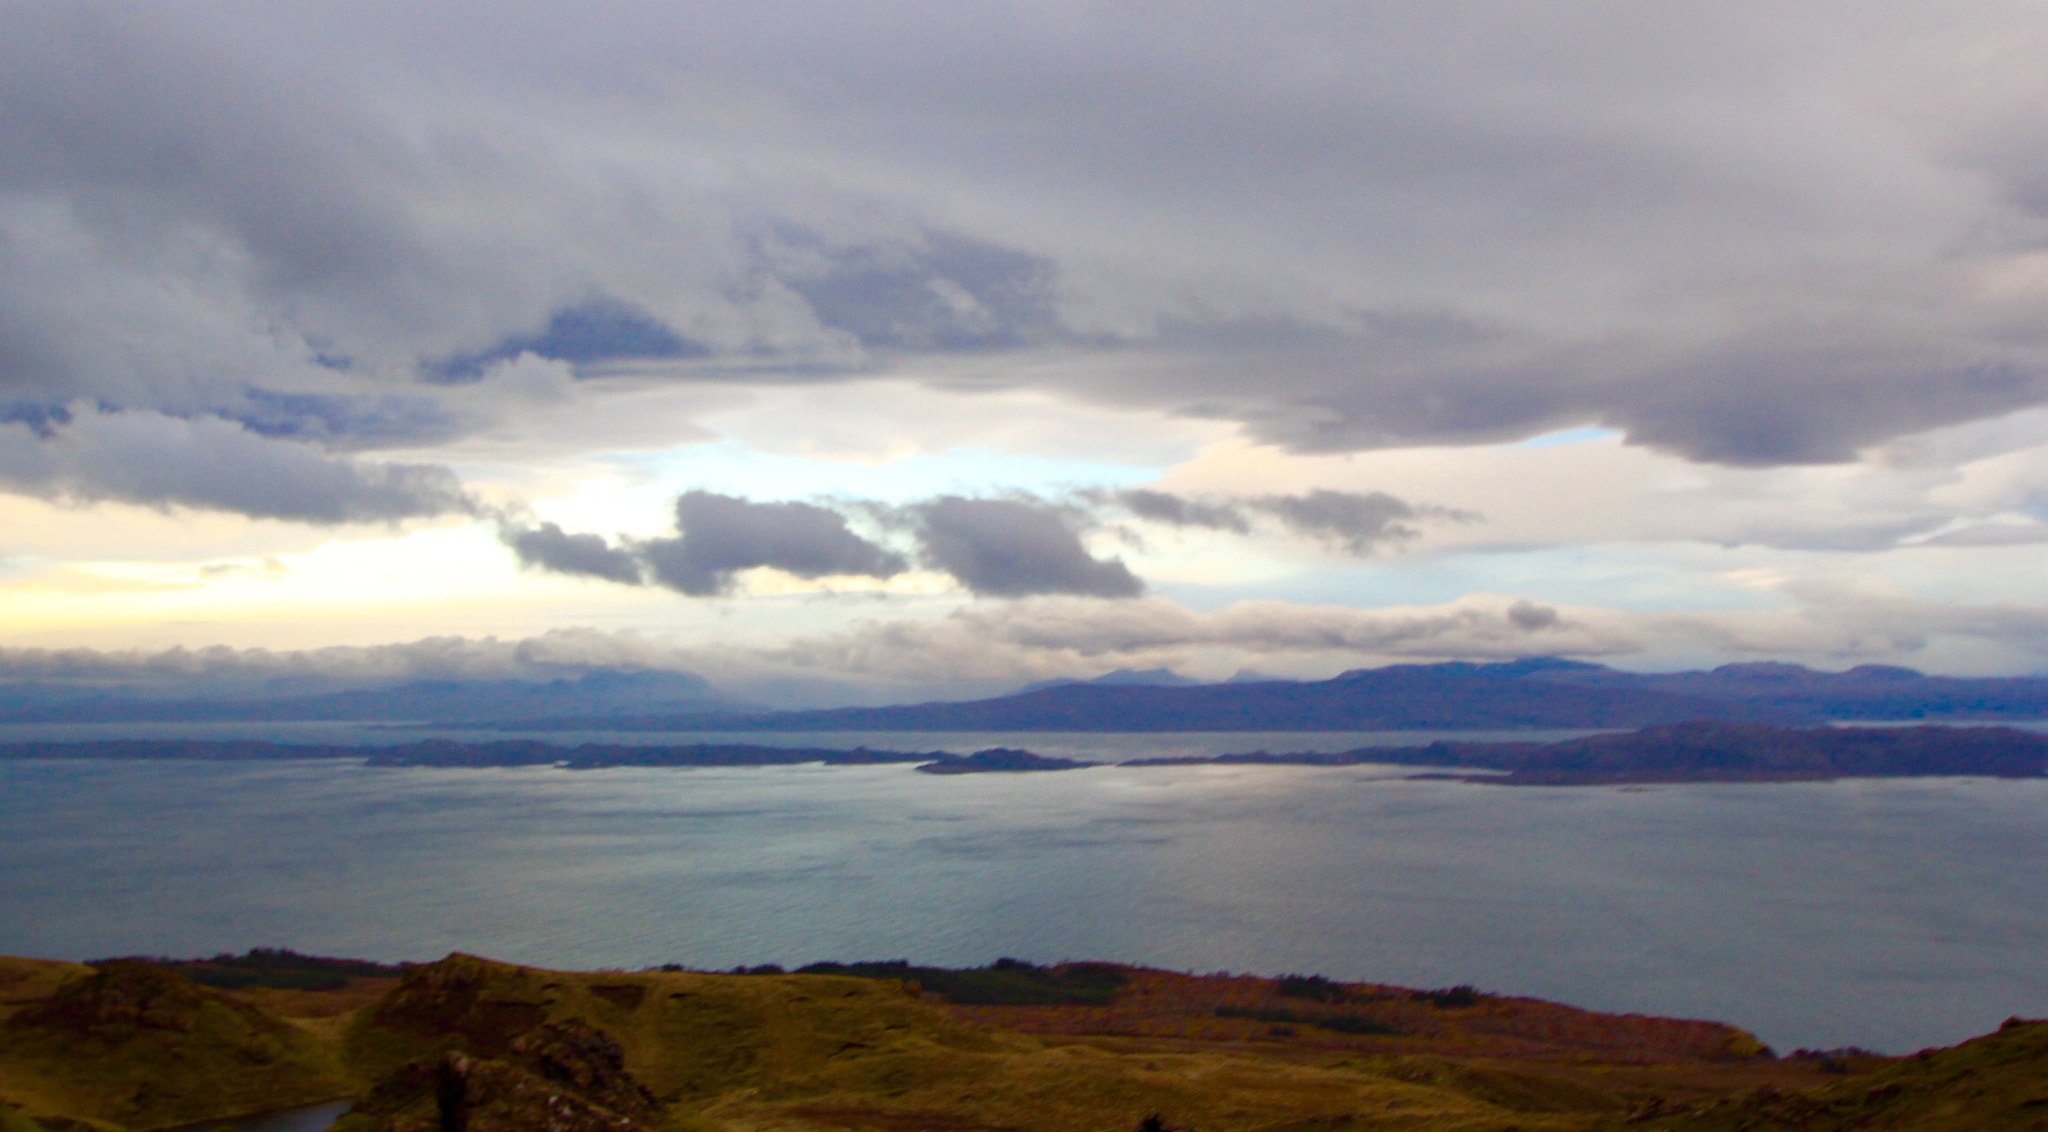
<point>1891,914</point>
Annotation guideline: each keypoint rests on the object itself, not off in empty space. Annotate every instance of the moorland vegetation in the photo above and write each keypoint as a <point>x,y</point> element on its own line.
<point>466,1043</point>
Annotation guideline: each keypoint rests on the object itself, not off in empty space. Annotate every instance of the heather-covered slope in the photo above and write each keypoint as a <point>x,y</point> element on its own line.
<point>134,1045</point>
<point>810,1051</point>
<point>1999,1081</point>
<point>483,1046</point>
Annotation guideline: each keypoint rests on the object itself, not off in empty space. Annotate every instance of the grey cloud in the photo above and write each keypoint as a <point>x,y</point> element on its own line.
<point>1341,227</point>
<point>148,124</point>
<point>1179,511</point>
<point>1818,398</point>
<point>994,547</point>
<point>1045,637</point>
<point>940,291</point>
<point>218,668</point>
<point>208,462</point>
<point>346,421</point>
<point>1042,637</point>
<point>1531,617</point>
<point>1058,634</point>
<point>1357,522</point>
<point>723,534</point>
<point>548,547</point>
<point>1010,548</point>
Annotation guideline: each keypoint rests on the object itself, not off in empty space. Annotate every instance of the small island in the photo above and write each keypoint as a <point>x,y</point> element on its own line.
<point>1000,760</point>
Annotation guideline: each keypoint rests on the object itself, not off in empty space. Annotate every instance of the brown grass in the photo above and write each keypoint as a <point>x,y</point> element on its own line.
<point>795,1052</point>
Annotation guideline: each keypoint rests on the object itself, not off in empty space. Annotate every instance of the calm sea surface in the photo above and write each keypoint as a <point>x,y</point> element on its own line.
<point>1889,914</point>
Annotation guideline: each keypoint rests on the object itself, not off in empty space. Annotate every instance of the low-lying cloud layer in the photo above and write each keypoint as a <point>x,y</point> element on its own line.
<point>552,655</point>
<point>1051,637</point>
<point>988,648</point>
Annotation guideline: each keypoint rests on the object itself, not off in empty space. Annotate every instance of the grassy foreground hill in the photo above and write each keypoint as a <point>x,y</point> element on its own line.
<point>470,1044</point>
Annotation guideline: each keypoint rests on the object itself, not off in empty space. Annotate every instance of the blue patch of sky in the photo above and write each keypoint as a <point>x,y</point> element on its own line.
<point>733,468</point>
<point>599,330</point>
<point>387,419</point>
<point>41,418</point>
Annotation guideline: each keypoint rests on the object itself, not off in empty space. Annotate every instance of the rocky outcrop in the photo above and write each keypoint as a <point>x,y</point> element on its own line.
<point>124,996</point>
<point>559,1077</point>
<point>134,1044</point>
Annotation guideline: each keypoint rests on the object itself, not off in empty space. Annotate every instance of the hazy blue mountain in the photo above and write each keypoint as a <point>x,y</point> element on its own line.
<point>1869,691</point>
<point>1541,692</point>
<point>1517,694</point>
<point>1121,678</point>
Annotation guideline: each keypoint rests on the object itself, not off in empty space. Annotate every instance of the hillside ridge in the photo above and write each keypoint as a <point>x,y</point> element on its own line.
<point>467,1042</point>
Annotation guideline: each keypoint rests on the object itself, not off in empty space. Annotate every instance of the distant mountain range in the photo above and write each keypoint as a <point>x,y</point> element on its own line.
<point>1533,693</point>
<point>1122,677</point>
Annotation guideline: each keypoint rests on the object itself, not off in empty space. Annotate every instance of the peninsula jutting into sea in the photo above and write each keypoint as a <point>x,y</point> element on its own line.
<point>1704,751</point>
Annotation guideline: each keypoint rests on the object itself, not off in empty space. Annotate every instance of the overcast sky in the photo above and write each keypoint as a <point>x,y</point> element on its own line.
<point>846,351</point>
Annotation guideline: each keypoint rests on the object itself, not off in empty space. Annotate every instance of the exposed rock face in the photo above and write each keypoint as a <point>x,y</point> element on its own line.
<point>483,1004</point>
<point>559,1077</point>
<point>511,1069</point>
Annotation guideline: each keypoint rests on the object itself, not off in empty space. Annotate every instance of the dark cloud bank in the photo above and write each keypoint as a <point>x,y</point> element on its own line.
<point>994,547</point>
<point>1006,547</point>
<point>1490,221</point>
<point>722,535</point>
